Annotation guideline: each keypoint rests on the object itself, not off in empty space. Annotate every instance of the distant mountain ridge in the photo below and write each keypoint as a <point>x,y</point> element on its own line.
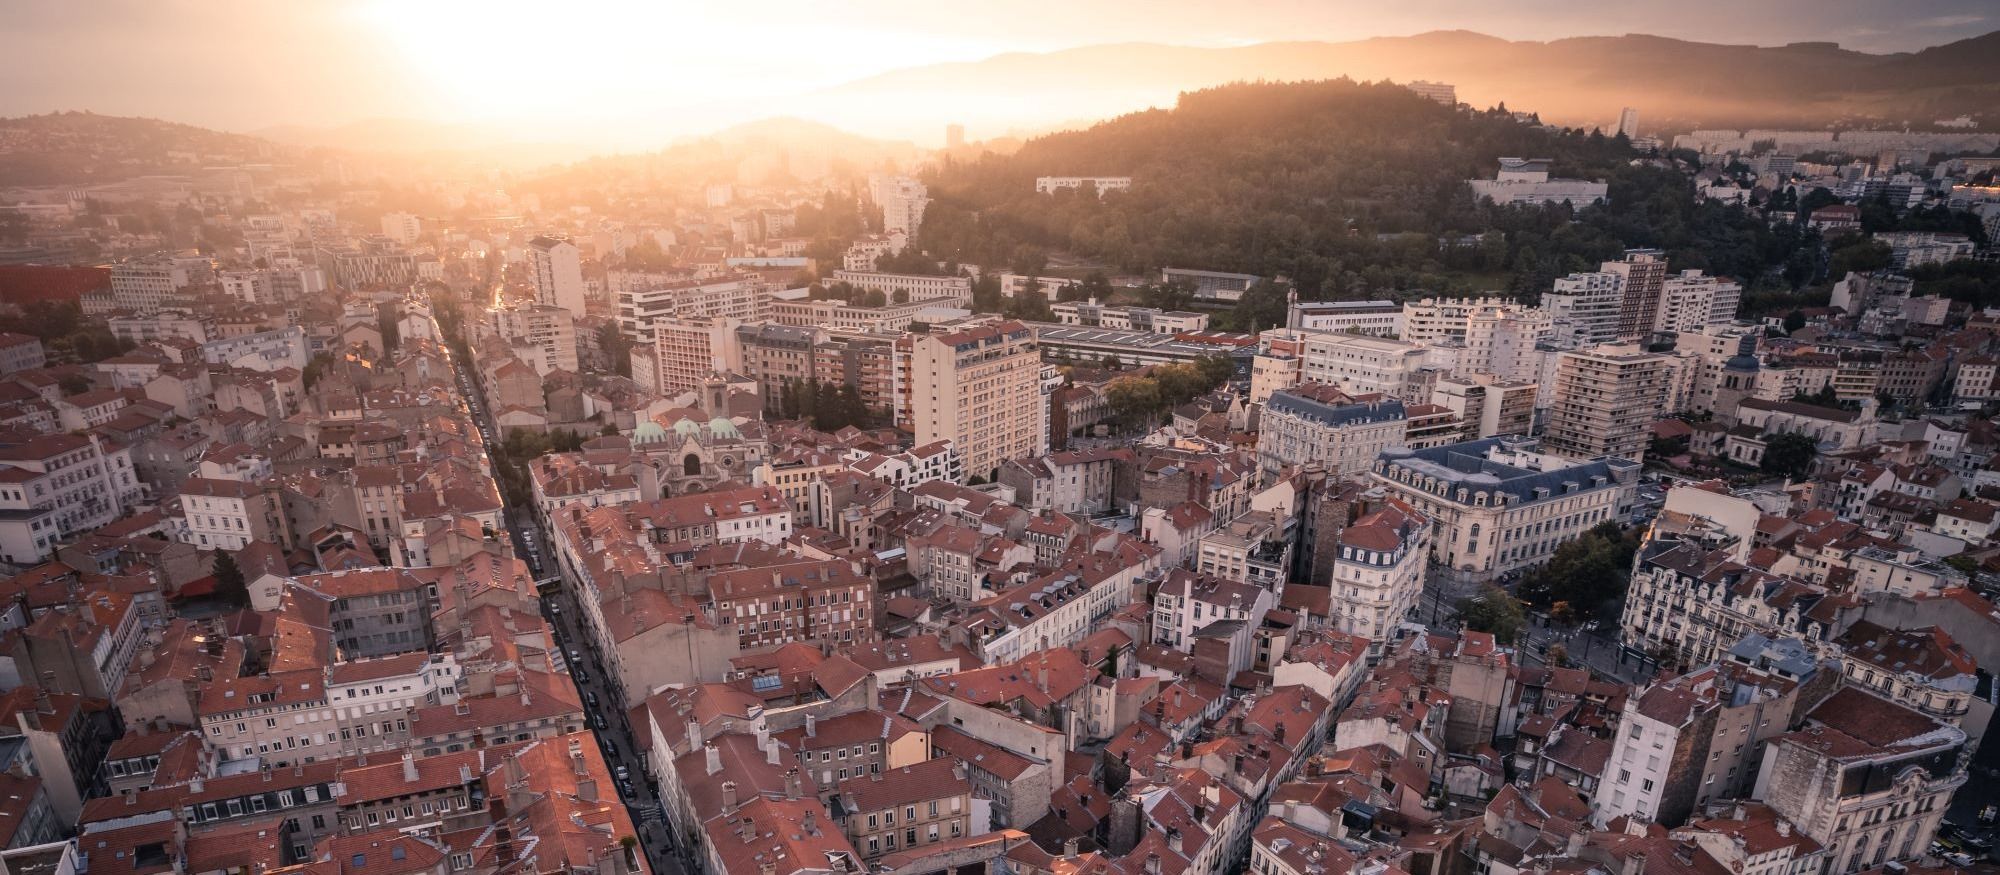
<point>1576,81</point>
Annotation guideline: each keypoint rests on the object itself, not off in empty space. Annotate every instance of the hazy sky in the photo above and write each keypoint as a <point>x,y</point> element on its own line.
<point>249,64</point>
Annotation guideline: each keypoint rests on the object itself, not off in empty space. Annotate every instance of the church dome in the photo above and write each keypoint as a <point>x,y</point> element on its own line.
<point>723,428</point>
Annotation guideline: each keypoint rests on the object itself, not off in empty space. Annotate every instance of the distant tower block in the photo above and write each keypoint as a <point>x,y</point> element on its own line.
<point>1628,123</point>
<point>954,135</point>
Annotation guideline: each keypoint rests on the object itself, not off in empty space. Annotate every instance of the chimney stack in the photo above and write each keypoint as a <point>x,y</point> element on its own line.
<point>409,767</point>
<point>714,758</point>
<point>792,783</point>
<point>728,796</point>
<point>812,729</point>
<point>748,829</point>
<point>1152,864</point>
<point>1174,840</point>
<point>694,734</point>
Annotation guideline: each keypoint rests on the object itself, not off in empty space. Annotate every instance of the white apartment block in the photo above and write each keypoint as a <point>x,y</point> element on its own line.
<point>53,487</point>
<point>1359,365</point>
<point>557,268</point>
<point>1053,184</point>
<point>1693,301</point>
<point>902,200</point>
<point>687,350</point>
<point>542,336</point>
<point>642,300</point>
<point>981,389</point>
<point>248,286</point>
<point>1584,308</point>
<point>403,228</point>
<point>1606,400</point>
<point>916,287</point>
<point>1488,405</point>
<point>226,514</point>
<point>264,351</point>
<point>147,284</point>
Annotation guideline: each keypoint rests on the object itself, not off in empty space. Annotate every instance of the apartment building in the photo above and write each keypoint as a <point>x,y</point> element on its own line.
<point>902,200</point>
<point>904,810</point>
<point>642,300</point>
<point>556,267</point>
<point>1866,777</point>
<point>1378,573</point>
<point>1486,405</point>
<point>231,514</point>
<point>151,283</point>
<point>1694,301</point>
<point>53,487</point>
<point>1606,400</point>
<point>1644,272</point>
<point>1343,436</point>
<point>541,335</point>
<point>1584,309</point>
<point>979,388</point>
<point>817,602</point>
<point>690,349</point>
<point>1360,365</point>
<point>1501,504</point>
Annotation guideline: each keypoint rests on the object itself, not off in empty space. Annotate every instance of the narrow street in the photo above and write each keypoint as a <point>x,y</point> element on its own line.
<point>604,708</point>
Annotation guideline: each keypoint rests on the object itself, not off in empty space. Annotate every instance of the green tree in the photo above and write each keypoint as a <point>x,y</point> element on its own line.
<point>1133,401</point>
<point>230,585</point>
<point>1794,321</point>
<point>617,348</point>
<point>1789,455</point>
<point>1588,572</point>
<point>1493,610</point>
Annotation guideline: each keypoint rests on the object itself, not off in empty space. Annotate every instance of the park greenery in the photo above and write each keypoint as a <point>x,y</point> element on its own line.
<point>66,336</point>
<point>1353,190</point>
<point>1493,610</point>
<point>1586,576</point>
<point>829,406</point>
<point>1137,400</point>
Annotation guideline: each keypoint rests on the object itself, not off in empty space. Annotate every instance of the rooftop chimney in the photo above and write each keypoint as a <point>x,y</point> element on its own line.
<point>714,758</point>
<point>1174,840</point>
<point>748,829</point>
<point>812,728</point>
<point>792,783</point>
<point>694,734</point>
<point>409,767</point>
<point>1152,864</point>
<point>728,796</point>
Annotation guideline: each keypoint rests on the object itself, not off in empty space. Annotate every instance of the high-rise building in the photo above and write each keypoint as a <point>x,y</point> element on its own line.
<point>902,200</point>
<point>1628,123</point>
<point>558,271</point>
<point>642,299</point>
<point>1606,400</point>
<point>1583,309</point>
<point>542,336</point>
<point>1360,365</point>
<point>954,135</point>
<point>688,349</point>
<point>980,388</point>
<point>1644,272</point>
<point>403,228</point>
<point>1693,301</point>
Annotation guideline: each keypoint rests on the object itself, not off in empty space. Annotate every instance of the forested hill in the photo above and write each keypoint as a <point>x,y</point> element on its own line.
<point>1345,187</point>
